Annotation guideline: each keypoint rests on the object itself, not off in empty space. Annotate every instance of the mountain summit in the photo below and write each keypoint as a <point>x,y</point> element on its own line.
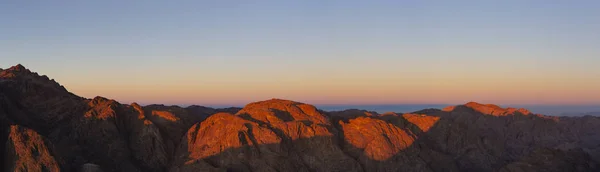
<point>43,127</point>
<point>489,109</point>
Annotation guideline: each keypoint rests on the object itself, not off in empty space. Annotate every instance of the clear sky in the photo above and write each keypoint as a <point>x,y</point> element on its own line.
<point>320,52</point>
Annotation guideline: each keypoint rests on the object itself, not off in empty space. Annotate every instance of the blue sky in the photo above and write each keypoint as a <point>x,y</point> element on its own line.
<point>215,52</point>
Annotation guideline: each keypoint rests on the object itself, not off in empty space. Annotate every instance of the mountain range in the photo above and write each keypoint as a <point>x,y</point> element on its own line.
<point>44,127</point>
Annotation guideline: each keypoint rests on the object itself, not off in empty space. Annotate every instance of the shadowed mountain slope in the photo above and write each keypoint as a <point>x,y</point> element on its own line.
<point>43,127</point>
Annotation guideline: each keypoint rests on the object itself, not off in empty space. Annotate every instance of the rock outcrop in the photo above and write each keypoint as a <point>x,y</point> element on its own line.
<point>491,109</point>
<point>43,127</point>
<point>273,135</point>
<point>144,139</point>
<point>26,150</point>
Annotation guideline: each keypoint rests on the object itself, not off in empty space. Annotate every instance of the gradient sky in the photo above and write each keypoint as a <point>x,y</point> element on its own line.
<point>320,52</point>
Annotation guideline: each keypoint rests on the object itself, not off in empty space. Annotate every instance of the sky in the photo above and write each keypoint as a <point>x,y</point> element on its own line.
<point>319,52</point>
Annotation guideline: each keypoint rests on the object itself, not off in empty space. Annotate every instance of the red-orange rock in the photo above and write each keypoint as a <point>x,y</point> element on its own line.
<point>379,140</point>
<point>495,110</point>
<point>165,115</point>
<point>424,122</point>
<point>230,142</point>
<point>28,151</point>
<point>222,132</point>
<point>278,111</point>
<point>273,135</point>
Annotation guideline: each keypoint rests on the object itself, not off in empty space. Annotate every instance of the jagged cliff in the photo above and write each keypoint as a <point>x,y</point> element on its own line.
<point>43,127</point>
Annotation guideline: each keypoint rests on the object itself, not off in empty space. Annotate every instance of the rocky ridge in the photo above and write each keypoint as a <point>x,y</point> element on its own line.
<point>44,127</point>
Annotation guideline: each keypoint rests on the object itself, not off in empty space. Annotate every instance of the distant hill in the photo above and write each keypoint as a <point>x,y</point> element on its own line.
<point>43,127</point>
<point>581,114</point>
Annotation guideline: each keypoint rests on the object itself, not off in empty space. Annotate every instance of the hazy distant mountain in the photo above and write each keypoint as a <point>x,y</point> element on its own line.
<point>581,114</point>
<point>46,128</point>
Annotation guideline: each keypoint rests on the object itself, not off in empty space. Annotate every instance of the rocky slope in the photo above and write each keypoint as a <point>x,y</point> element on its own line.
<point>43,127</point>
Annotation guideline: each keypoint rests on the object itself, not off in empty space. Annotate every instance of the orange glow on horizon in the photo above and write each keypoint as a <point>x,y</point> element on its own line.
<point>497,88</point>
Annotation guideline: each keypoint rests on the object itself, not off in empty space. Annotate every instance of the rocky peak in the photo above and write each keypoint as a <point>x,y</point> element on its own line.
<point>374,138</point>
<point>489,109</point>
<point>279,110</point>
<point>101,108</point>
<point>136,106</point>
<point>98,100</point>
<point>36,101</point>
<point>14,71</point>
<point>424,122</point>
<point>271,135</point>
<point>18,67</point>
<point>21,77</point>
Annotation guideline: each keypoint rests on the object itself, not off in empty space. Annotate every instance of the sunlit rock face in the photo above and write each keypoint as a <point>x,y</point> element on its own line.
<point>306,133</point>
<point>43,127</point>
<point>422,121</point>
<point>229,142</point>
<point>490,109</point>
<point>378,139</point>
<point>173,121</point>
<point>272,135</point>
<point>26,150</point>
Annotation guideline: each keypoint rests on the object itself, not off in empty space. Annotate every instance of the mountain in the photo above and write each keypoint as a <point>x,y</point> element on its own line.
<point>581,114</point>
<point>43,127</point>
